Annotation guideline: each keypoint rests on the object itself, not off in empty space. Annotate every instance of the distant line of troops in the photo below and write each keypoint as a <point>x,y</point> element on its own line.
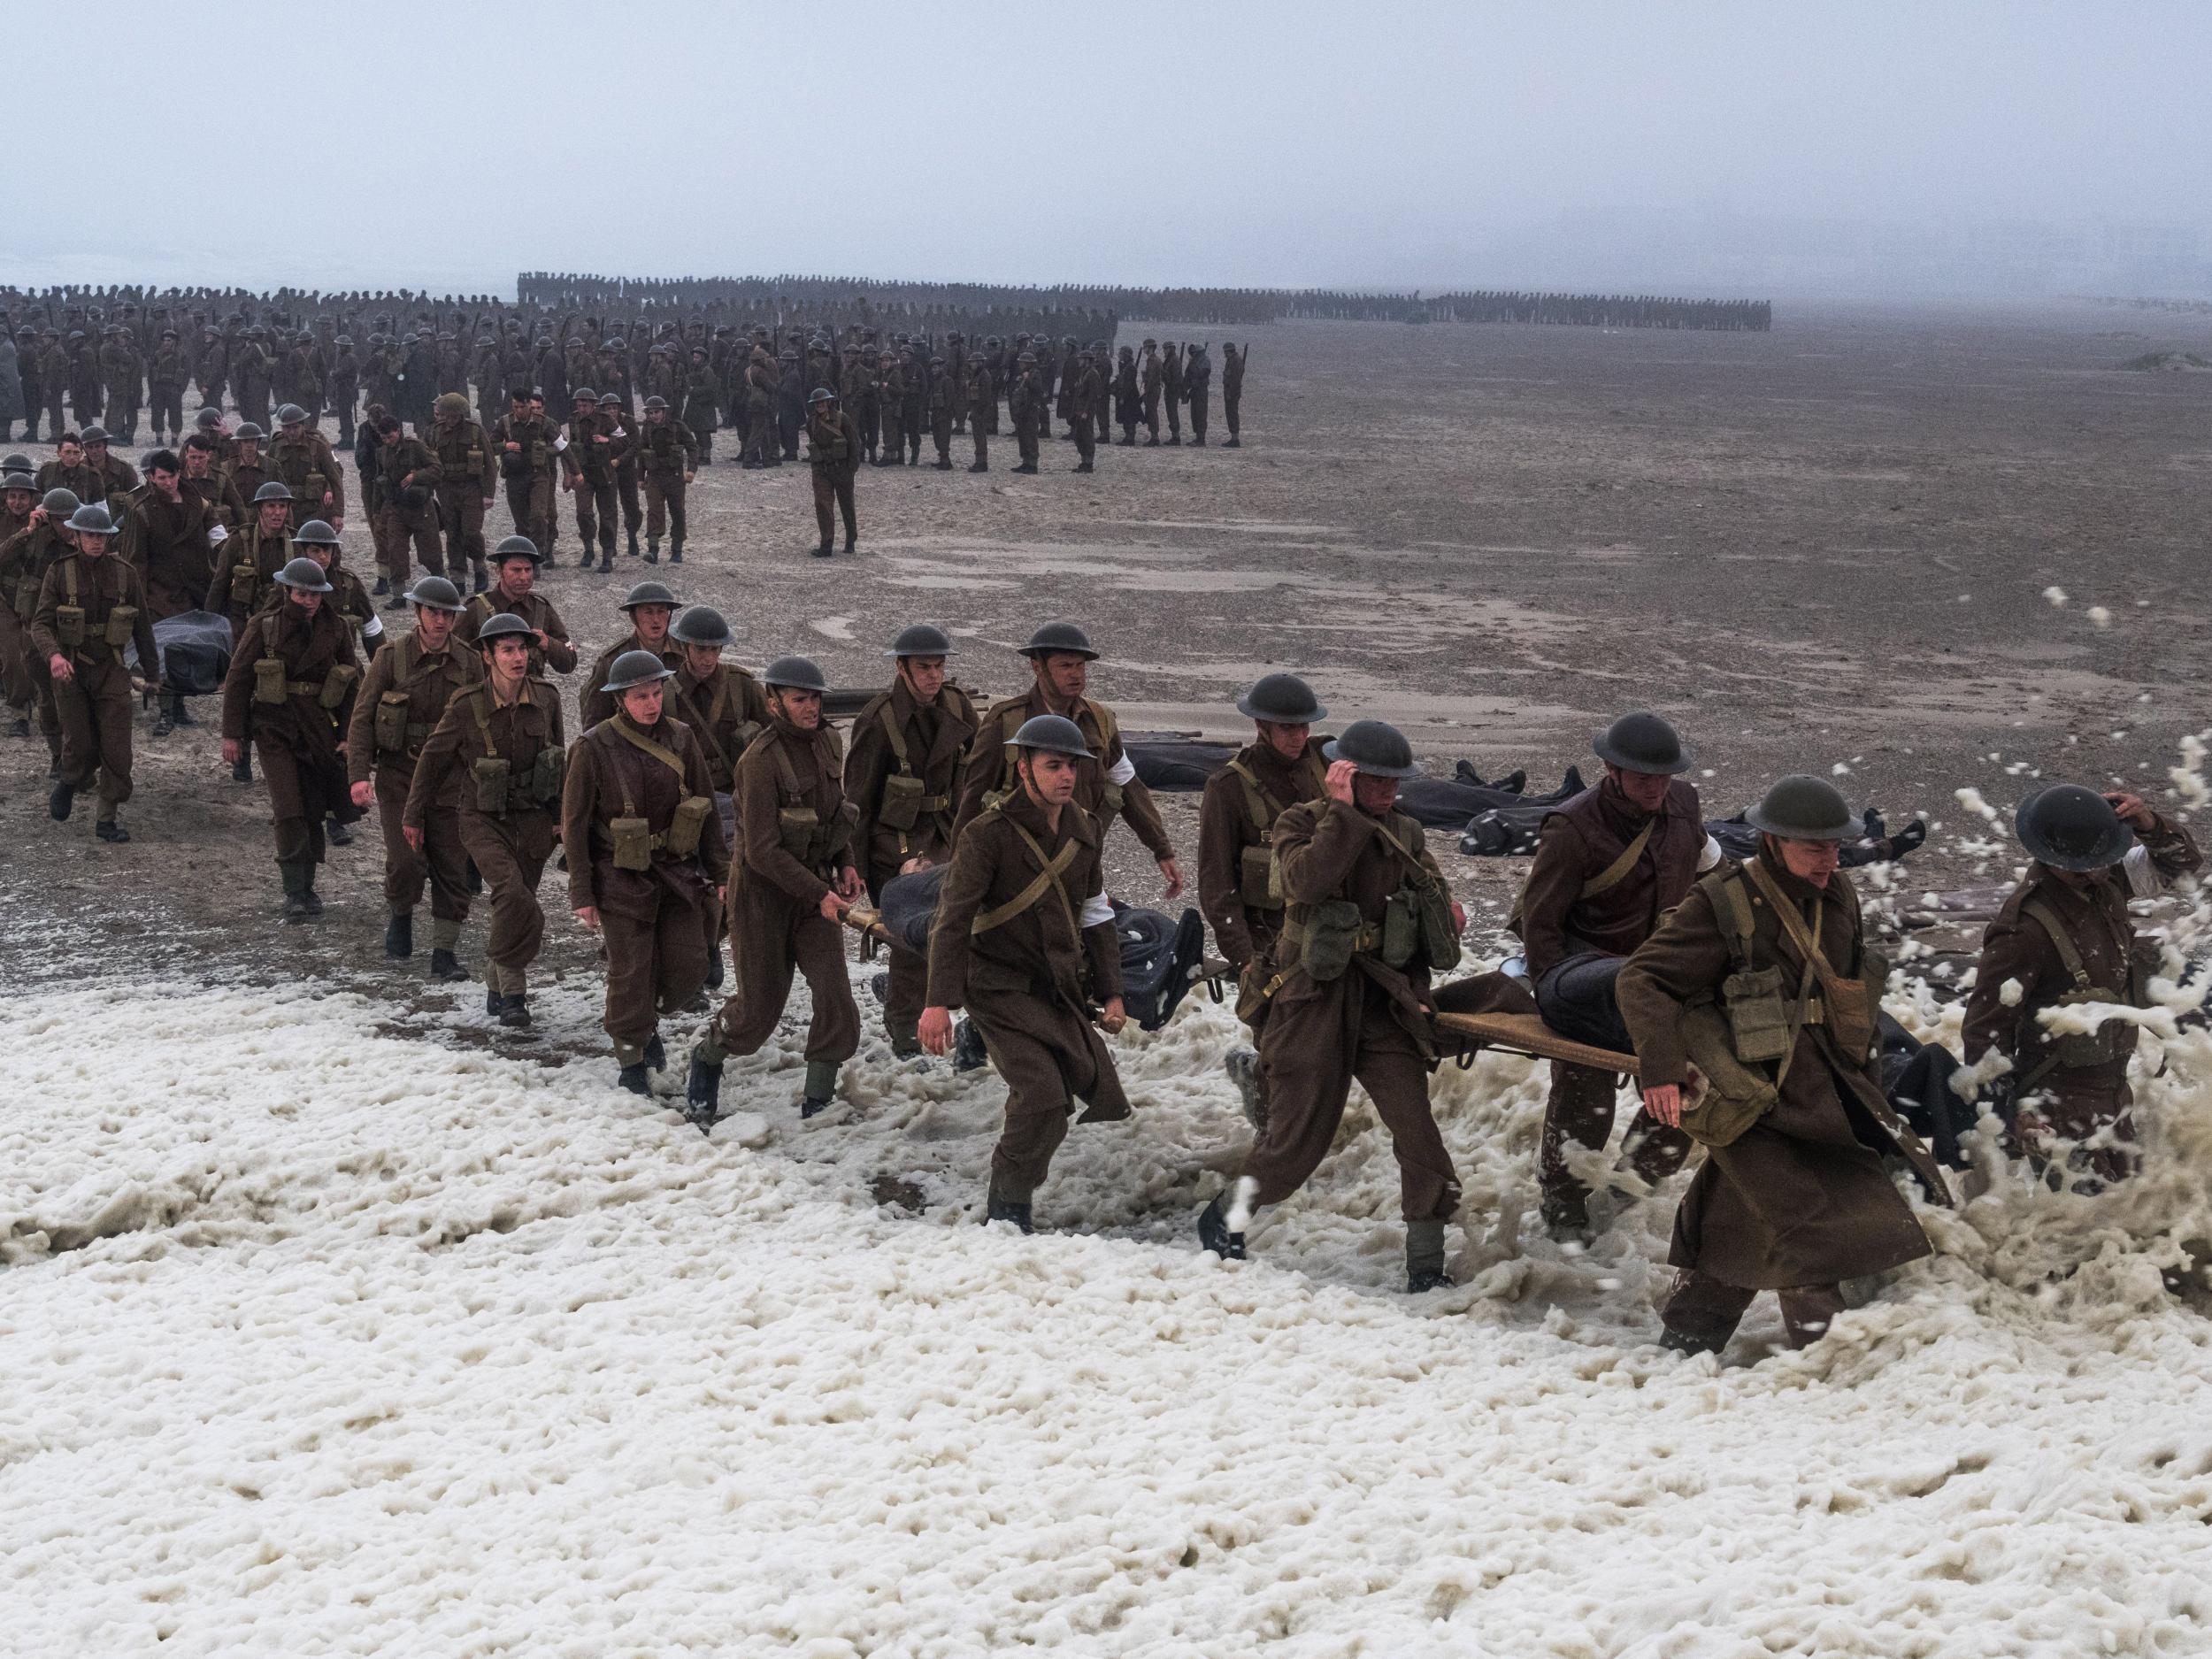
<point>702,805</point>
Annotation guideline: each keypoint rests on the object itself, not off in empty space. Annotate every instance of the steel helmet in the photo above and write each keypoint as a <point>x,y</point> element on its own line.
<point>450,403</point>
<point>633,669</point>
<point>1802,809</point>
<point>434,593</point>
<point>316,533</point>
<point>794,673</point>
<point>1060,638</point>
<point>246,431</point>
<point>291,415</point>
<point>92,434</point>
<point>657,401</point>
<point>1282,700</point>
<point>1642,742</point>
<point>305,576</point>
<point>1053,732</point>
<point>275,489</point>
<point>92,518</point>
<point>60,503</point>
<point>822,395</point>
<point>20,480</point>
<point>2069,827</point>
<point>504,626</point>
<point>1375,747</point>
<point>922,640</point>
<point>517,547</point>
<point>648,594</point>
<point>701,625</point>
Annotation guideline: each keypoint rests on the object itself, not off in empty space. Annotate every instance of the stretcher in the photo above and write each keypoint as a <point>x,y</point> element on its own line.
<point>1526,1033</point>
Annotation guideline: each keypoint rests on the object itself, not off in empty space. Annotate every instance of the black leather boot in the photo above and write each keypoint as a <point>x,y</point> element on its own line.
<point>399,935</point>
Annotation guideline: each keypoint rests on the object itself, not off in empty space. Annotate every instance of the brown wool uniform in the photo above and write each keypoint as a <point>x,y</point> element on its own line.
<point>1236,828</point>
<point>794,835</point>
<point>2072,1100</point>
<point>244,573</point>
<point>169,550</point>
<point>247,476</point>
<point>468,476</point>
<point>726,712</point>
<point>403,698</point>
<point>221,500</point>
<point>903,776</point>
<point>534,608</point>
<point>590,459</point>
<point>90,610</point>
<point>308,469</point>
<point>529,472</point>
<point>1566,913</point>
<point>668,454</point>
<point>405,526</point>
<point>295,713</point>
<point>1366,1026</point>
<point>24,561</point>
<point>1801,1202</point>
<point>1016,955</point>
<point>656,921</point>
<point>833,456</point>
<point>595,705</point>
<point>989,769</point>
<point>508,815</point>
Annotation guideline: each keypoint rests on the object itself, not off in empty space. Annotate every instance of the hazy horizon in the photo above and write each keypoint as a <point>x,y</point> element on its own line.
<point>1974,148</point>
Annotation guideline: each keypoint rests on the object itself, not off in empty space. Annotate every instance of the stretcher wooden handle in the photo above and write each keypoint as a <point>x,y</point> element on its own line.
<point>867,921</point>
<point>1526,1033</point>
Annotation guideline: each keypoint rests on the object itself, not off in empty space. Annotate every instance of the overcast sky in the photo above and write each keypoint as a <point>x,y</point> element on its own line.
<point>1448,143</point>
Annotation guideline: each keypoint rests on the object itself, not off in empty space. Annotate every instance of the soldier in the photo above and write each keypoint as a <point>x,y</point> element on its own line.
<point>246,566</point>
<point>123,377</point>
<point>588,471</point>
<point>794,879</point>
<point>513,593</point>
<point>1025,940</point>
<point>1792,1196</point>
<point>982,410</point>
<point>30,379</point>
<point>1060,655</point>
<point>1232,362</point>
<point>467,482</point>
<point>1128,402</point>
<point>2065,938</point>
<point>408,476</point>
<point>1609,864</point>
<point>621,433</point>
<point>403,698</point>
<point>1082,404</point>
<point>504,735</point>
<point>764,379</point>
<point>25,559</point>
<point>249,369</point>
<point>1171,392</point>
<point>669,457</point>
<point>349,599</point>
<point>118,477</point>
<point>83,374</point>
<point>834,451</point>
<point>646,859</point>
<point>698,404</point>
<point>856,387</point>
<point>204,481</point>
<point>903,775</point>
<point>345,391</point>
<point>170,534</point>
<point>913,401</point>
<point>944,396</point>
<point>723,705</point>
<point>302,457</point>
<point>648,606</point>
<point>91,608</point>
<point>1238,890</point>
<point>166,388</point>
<point>53,369</point>
<point>69,471</point>
<point>891,404</point>
<point>529,460</point>
<point>18,595</point>
<point>1198,374</point>
<point>294,676</point>
<point>790,403</point>
<point>1025,407</point>
<point>248,467</point>
<point>1362,928</point>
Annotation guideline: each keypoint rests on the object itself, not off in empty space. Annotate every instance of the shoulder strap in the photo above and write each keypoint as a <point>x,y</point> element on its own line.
<point>1724,888</point>
<point>1616,873</point>
<point>1047,876</point>
<point>898,738</point>
<point>1414,867</point>
<point>2045,918</point>
<point>1255,801</point>
<point>638,741</point>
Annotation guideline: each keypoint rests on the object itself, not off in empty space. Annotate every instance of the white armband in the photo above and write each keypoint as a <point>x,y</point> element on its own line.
<point>560,444</point>
<point>217,535</point>
<point>2144,882</point>
<point>373,628</point>
<point>1122,770</point>
<point>1096,908</point>
<point>1709,857</point>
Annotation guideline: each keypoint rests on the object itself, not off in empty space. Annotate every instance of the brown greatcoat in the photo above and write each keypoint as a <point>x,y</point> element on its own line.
<point>244,573</point>
<point>297,738</point>
<point>94,706</point>
<point>2072,1102</point>
<point>727,710</point>
<point>775,919</point>
<point>1237,812</point>
<point>1029,982</point>
<point>989,768</point>
<point>403,697</point>
<point>1803,1198</point>
<point>510,846</point>
<point>1577,846</point>
<point>169,548</point>
<point>656,922</point>
<point>1370,1025</point>
<point>535,609</point>
<point>595,704</point>
<point>309,468</point>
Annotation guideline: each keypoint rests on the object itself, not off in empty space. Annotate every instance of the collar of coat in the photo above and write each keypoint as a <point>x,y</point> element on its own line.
<point>1074,821</point>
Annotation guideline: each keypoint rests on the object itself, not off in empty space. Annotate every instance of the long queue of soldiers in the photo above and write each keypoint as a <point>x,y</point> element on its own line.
<point>704,806</point>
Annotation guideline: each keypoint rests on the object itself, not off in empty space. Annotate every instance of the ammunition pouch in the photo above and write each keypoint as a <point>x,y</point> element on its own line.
<point>244,577</point>
<point>633,838</point>
<point>1401,929</point>
<point>337,683</point>
<point>1330,936</point>
<point>1257,886</point>
<point>311,488</point>
<point>69,626</point>
<point>1757,1015</point>
<point>493,774</point>
<point>548,772</point>
<point>903,798</point>
<point>121,618</point>
<point>2084,1050</point>
<point>392,733</point>
<point>268,680</point>
<point>797,827</point>
<point>692,813</point>
<point>516,464</point>
<point>1726,1096</point>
